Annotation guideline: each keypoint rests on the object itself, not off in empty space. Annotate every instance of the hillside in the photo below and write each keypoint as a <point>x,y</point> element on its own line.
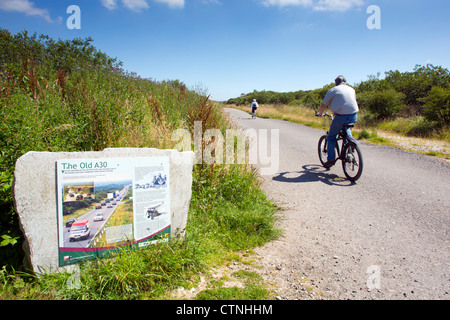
<point>68,96</point>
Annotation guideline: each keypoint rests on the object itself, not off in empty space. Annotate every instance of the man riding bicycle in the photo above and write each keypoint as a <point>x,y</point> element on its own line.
<point>254,108</point>
<point>343,104</point>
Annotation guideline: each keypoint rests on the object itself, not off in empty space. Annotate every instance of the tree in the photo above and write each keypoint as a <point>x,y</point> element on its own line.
<point>416,85</point>
<point>437,105</point>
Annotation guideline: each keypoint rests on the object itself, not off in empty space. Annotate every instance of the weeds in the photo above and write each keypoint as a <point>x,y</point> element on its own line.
<point>51,102</point>
<point>249,292</point>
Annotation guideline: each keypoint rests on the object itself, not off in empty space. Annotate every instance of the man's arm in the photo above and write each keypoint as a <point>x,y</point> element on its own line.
<point>326,101</point>
<point>322,110</point>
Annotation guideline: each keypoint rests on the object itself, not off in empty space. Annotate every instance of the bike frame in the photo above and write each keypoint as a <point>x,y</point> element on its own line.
<point>342,136</point>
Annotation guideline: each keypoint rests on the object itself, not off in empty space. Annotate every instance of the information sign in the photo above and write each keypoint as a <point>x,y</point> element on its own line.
<point>111,203</point>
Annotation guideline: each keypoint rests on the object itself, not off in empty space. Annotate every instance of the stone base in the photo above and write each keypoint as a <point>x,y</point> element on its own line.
<point>35,195</point>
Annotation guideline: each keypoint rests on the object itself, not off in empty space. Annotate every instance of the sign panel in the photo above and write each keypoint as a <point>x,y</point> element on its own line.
<point>106,204</point>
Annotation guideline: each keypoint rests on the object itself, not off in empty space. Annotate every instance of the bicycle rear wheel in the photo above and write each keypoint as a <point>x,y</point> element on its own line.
<point>352,162</point>
<point>323,150</point>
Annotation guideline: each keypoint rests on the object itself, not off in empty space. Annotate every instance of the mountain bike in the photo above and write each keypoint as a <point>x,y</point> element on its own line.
<point>349,152</point>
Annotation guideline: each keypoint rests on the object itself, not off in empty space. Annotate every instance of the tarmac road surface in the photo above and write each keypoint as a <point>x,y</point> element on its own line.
<point>385,237</point>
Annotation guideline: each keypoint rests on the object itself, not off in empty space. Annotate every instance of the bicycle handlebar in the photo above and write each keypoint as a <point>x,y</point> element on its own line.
<point>325,115</point>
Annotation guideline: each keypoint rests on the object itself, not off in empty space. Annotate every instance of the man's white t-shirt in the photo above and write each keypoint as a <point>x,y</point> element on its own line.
<point>342,100</point>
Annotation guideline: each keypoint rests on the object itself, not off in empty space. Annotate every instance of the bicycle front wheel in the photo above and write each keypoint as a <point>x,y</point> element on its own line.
<point>352,162</point>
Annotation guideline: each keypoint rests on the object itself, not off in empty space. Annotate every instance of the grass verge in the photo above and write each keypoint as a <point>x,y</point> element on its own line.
<point>228,213</point>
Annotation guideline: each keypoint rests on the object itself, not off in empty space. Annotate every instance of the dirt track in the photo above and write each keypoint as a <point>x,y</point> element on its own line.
<point>385,237</point>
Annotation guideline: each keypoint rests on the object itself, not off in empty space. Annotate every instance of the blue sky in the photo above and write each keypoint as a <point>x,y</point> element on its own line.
<point>229,47</point>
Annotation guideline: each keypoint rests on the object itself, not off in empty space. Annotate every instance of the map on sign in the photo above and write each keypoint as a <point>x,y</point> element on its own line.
<point>105,204</point>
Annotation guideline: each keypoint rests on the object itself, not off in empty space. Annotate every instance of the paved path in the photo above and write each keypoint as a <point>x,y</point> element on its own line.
<point>389,232</point>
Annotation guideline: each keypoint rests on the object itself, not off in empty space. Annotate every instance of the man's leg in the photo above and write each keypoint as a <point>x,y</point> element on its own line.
<point>353,118</point>
<point>335,128</point>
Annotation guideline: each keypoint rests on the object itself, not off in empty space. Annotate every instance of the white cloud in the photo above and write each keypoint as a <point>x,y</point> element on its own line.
<point>110,4</point>
<point>136,5</point>
<point>173,3</point>
<point>211,1</point>
<point>139,5</point>
<point>25,6</point>
<point>283,3</point>
<point>317,5</point>
<point>337,5</point>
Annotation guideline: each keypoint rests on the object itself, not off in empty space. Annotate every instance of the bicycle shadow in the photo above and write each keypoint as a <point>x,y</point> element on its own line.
<point>249,118</point>
<point>313,173</point>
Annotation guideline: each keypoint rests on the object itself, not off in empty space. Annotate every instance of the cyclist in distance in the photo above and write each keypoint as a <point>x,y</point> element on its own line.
<point>343,104</point>
<point>254,108</point>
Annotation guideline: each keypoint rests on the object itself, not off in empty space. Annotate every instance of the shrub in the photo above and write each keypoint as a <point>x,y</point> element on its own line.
<point>417,84</point>
<point>437,105</point>
<point>364,135</point>
<point>382,103</point>
<point>312,100</point>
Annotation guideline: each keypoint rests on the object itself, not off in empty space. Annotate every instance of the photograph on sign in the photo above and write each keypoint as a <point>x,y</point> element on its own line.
<point>106,204</point>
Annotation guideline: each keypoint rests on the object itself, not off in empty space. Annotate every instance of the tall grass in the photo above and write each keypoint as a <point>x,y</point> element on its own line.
<point>89,109</point>
<point>94,107</point>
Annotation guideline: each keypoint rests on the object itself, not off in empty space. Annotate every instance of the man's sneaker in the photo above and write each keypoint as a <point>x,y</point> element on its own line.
<point>329,164</point>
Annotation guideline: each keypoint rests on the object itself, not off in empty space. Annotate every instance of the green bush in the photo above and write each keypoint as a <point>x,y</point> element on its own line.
<point>437,105</point>
<point>312,100</point>
<point>417,84</point>
<point>382,104</point>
